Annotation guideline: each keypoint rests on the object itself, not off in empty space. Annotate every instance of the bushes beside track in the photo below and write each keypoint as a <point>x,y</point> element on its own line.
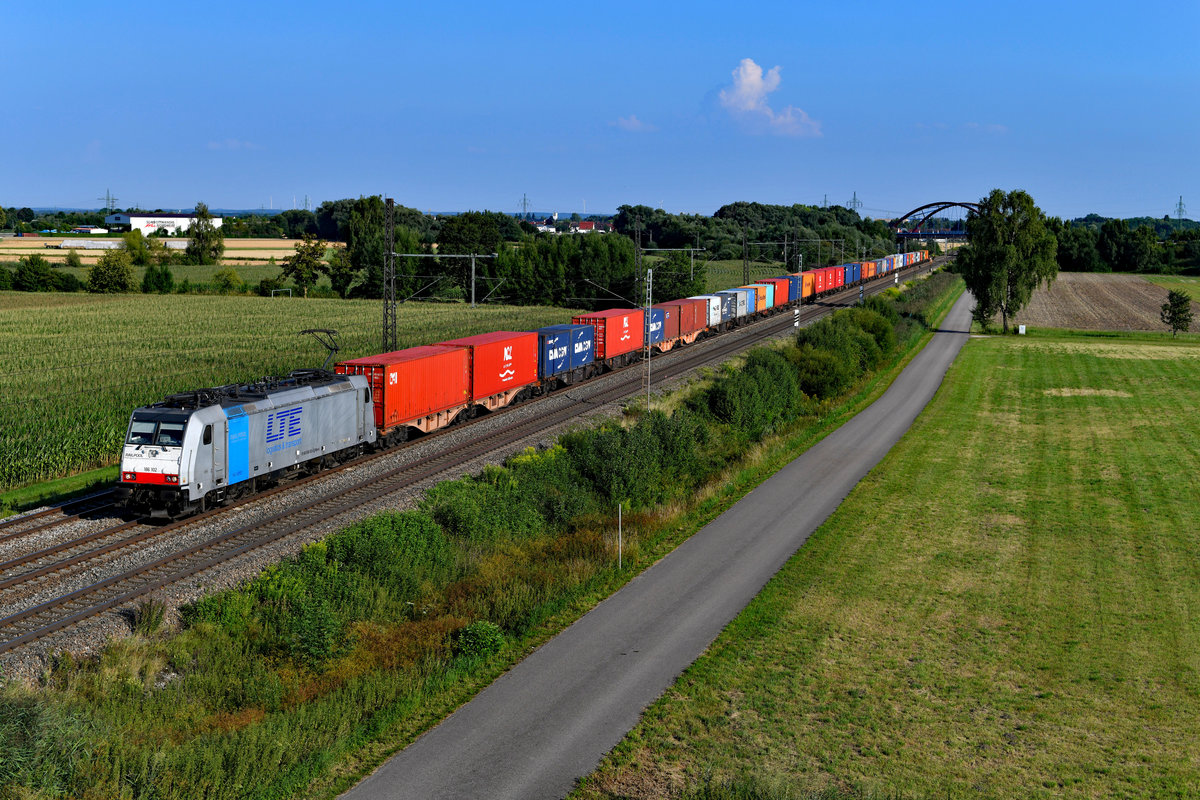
<point>385,625</point>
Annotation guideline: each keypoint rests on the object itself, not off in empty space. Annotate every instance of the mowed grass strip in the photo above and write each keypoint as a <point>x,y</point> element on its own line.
<point>1008,606</point>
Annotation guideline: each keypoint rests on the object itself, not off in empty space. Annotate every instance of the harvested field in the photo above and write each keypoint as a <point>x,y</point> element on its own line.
<point>238,252</point>
<point>1098,302</point>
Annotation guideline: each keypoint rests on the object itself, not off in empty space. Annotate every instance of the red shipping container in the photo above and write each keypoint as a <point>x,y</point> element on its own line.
<point>782,290</point>
<point>670,320</point>
<point>819,280</point>
<point>692,316</point>
<point>500,361</point>
<point>618,330</point>
<point>407,385</point>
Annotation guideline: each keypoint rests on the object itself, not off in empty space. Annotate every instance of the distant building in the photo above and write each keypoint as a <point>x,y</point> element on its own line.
<point>589,226</point>
<point>174,224</point>
<point>92,229</point>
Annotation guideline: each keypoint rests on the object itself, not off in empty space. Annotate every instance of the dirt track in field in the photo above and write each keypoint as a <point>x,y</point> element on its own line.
<point>1098,302</point>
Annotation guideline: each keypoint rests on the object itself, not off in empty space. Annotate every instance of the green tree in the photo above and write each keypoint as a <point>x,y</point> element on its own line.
<point>227,281</point>
<point>307,264</point>
<point>3,217</point>
<point>471,232</point>
<point>1077,250</point>
<point>135,245</point>
<point>341,273</point>
<point>207,243</point>
<point>73,260</point>
<point>1009,253</point>
<point>34,274</point>
<point>158,280</point>
<point>296,222</point>
<point>112,274</point>
<point>1128,249</point>
<point>364,244</point>
<point>673,278</point>
<point>1177,312</point>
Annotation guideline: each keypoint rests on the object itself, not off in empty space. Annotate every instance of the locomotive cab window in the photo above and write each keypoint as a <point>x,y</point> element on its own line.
<point>208,434</point>
<point>141,432</point>
<point>170,434</point>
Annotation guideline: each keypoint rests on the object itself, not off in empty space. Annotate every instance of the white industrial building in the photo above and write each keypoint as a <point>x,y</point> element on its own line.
<point>175,224</point>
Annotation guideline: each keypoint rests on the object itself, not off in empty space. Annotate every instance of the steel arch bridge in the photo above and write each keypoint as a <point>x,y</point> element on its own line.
<point>923,214</point>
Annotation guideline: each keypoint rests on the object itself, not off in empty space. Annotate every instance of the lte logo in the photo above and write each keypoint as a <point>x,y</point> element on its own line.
<point>284,423</point>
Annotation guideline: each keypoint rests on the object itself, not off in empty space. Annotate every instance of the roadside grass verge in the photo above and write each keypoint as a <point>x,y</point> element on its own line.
<point>310,675</point>
<point>1005,607</point>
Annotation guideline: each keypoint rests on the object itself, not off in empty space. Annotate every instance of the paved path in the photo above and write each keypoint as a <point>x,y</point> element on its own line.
<point>550,719</point>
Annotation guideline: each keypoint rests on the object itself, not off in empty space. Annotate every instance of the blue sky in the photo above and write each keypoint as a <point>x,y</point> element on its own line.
<point>1090,107</point>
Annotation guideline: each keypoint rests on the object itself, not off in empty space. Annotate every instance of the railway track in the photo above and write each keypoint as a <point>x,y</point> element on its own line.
<point>337,506</point>
<point>57,515</point>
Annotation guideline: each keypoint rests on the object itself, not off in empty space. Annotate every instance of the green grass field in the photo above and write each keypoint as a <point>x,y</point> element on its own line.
<point>1008,606</point>
<point>723,275</point>
<point>1179,283</point>
<point>76,365</point>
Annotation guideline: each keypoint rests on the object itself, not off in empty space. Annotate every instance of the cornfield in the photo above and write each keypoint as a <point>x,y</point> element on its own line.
<point>75,366</point>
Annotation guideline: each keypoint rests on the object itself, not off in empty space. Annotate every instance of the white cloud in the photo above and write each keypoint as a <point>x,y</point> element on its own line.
<point>747,100</point>
<point>633,125</point>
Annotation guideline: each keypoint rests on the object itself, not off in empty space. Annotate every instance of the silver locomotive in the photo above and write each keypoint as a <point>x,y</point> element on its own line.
<point>198,449</point>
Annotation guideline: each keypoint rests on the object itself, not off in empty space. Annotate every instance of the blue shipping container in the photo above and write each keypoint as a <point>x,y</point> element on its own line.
<point>853,273</point>
<point>737,302</point>
<point>728,306</point>
<point>794,284</point>
<point>655,333</point>
<point>564,347</point>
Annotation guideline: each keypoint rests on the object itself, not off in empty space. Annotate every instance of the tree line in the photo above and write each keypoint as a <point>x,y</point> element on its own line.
<point>1116,245</point>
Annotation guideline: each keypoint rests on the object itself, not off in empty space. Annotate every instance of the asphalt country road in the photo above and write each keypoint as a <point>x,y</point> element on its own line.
<point>548,721</point>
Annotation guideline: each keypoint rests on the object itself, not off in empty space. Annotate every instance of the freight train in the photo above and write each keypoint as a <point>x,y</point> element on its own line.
<point>198,449</point>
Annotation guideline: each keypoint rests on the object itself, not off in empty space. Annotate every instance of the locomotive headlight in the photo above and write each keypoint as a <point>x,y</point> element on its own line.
<point>172,479</point>
<point>129,476</point>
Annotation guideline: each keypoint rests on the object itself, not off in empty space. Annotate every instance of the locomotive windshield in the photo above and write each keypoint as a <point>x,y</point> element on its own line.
<point>142,432</point>
<point>163,432</point>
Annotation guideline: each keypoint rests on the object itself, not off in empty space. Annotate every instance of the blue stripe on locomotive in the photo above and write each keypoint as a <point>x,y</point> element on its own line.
<point>238,450</point>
